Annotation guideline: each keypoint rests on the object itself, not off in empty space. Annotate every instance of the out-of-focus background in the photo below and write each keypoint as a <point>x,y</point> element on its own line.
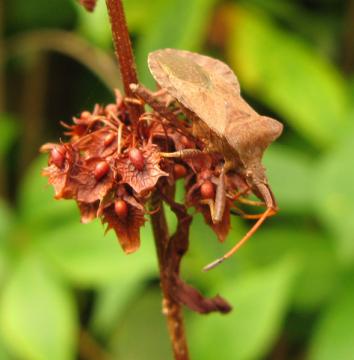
<point>68,292</point>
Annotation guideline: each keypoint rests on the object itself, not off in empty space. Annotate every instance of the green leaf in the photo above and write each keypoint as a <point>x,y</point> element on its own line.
<point>8,133</point>
<point>291,178</point>
<point>37,316</point>
<point>142,333</point>
<point>95,26</point>
<point>287,75</point>
<point>334,195</point>
<point>37,206</point>
<point>87,257</point>
<point>6,221</point>
<point>176,24</point>
<point>4,353</point>
<point>333,338</point>
<point>22,15</point>
<point>114,299</point>
<point>314,253</point>
<point>260,302</point>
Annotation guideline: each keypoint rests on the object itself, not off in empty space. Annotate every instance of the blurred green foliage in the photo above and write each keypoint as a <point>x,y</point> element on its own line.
<point>68,291</point>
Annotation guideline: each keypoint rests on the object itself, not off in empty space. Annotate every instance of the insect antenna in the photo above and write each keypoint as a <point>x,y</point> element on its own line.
<point>254,228</point>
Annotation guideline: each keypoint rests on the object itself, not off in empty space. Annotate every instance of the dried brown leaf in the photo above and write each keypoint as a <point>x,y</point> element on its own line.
<point>194,300</point>
<point>145,179</point>
<point>127,229</point>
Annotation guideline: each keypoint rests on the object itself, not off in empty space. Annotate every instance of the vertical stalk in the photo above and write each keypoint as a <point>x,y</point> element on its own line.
<point>124,53</point>
<point>171,308</point>
<point>3,184</point>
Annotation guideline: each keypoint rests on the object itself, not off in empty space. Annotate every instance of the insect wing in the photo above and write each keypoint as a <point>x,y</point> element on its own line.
<point>196,82</point>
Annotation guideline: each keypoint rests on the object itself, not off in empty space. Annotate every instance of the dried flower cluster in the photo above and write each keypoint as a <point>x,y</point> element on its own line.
<point>111,167</point>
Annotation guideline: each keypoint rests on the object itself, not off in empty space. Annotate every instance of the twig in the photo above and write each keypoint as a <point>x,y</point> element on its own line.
<point>124,54</point>
<point>169,259</point>
<point>68,44</point>
<point>32,105</point>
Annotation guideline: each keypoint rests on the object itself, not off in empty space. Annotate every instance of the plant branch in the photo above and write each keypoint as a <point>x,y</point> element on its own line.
<point>68,44</point>
<point>169,258</point>
<point>124,53</point>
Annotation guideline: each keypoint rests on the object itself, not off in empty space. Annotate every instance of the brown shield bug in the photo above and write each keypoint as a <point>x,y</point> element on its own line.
<point>209,94</point>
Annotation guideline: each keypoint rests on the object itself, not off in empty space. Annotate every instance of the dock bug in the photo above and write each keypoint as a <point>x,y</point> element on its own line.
<point>209,94</point>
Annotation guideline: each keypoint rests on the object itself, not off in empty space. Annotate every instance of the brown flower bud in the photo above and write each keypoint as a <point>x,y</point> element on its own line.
<point>121,209</point>
<point>136,158</point>
<point>57,156</point>
<point>179,171</point>
<point>101,170</point>
<point>207,190</point>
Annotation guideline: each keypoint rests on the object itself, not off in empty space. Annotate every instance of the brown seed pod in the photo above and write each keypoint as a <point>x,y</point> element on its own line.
<point>121,208</point>
<point>111,108</point>
<point>207,190</point>
<point>101,170</point>
<point>137,159</point>
<point>179,171</point>
<point>109,138</point>
<point>85,115</point>
<point>57,156</point>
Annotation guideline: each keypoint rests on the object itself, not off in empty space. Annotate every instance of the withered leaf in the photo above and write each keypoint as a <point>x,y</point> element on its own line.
<point>145,179</point>
<point>194,300</point>
<point>58,177</point>
<point>193,198</point>
<point>95,144</point>
<point>221,229</point>
<point>127,229</point>
<point>88,211</point>
<point>89,189</point>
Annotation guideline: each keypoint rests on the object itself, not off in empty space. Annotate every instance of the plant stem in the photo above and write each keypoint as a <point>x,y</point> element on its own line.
<point>124,53</point>
<point>171,308</point>
<point>168,256</point>
<point>3,179</point>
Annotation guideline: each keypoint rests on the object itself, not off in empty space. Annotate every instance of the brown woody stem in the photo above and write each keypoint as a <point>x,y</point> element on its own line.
<point>124,53</point>
<point>171,307</point>
<point>165,252</point>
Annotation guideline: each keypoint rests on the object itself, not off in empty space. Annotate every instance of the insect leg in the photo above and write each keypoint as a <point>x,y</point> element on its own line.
<point>249,234</point>
<point>181,153</point>
<point>245,201</point>
<point>217,207</point>
<point>149,98</point>
<point>271,210</point>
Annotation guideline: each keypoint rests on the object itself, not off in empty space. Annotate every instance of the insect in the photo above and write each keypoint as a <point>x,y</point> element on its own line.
<point>209,94</point>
